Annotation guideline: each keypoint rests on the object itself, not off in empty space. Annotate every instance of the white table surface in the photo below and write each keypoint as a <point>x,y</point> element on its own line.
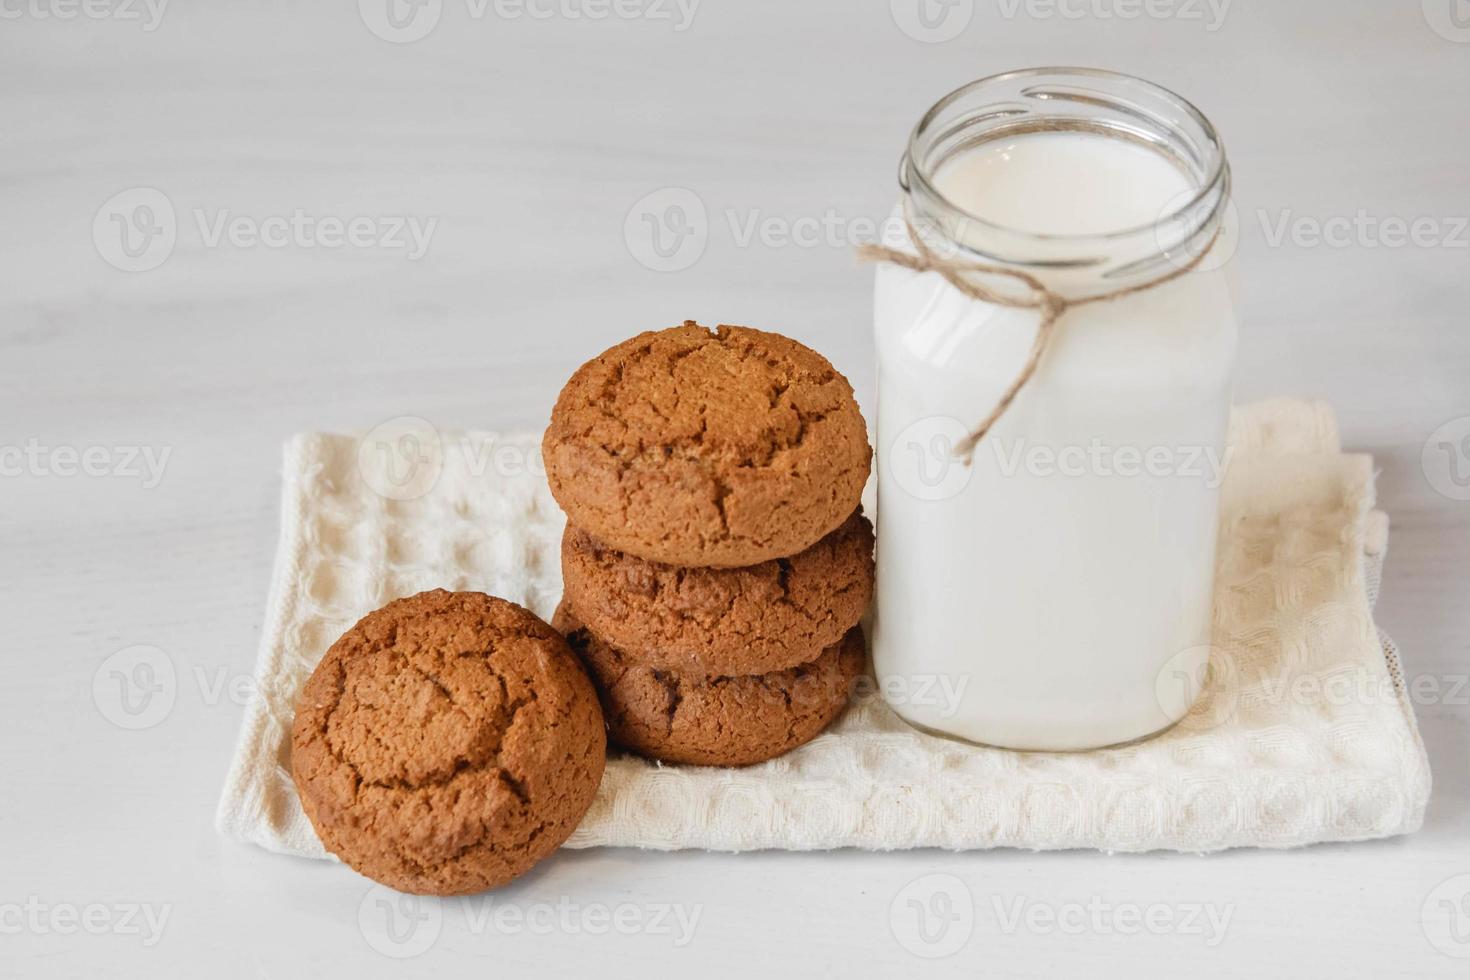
<point>530,140</point>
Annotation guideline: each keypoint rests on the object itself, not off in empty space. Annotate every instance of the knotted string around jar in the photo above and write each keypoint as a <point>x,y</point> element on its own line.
<point>1049,304</point>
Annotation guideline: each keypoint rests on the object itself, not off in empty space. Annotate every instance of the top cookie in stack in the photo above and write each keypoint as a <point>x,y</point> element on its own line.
<point>708,448</point>
<point>715,561</point>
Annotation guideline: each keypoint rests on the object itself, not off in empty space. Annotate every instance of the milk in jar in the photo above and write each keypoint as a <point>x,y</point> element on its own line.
<point>1054,592</point>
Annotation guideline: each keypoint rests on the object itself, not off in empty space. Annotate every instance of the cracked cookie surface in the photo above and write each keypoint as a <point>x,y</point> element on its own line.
<point>714,448</point>
<point>717,721</point>
<point>722,621</point>
<point>446,743</point>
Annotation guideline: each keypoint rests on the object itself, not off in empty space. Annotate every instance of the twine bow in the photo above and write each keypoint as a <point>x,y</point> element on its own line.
<point>1049,304</point>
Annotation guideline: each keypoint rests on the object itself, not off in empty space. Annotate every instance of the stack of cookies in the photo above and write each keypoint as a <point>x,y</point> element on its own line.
<point>716,562</point>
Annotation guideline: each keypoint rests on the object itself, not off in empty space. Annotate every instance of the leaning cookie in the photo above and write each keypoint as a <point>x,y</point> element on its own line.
<point>722,621</point>
<point>446,743</point>
<point>715,448</point>
<point>720,721</point>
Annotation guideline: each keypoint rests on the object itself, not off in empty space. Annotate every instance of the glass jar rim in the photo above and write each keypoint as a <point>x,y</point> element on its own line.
<point>1214,181</point>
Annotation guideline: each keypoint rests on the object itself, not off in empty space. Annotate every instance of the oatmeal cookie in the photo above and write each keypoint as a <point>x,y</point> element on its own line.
<point>446,743</point>
<point>717,721</point>
<point>713,448</point>
<point>722,621</point>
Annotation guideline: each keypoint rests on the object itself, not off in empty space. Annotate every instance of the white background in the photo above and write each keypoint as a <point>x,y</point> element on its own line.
<point>530,140</point>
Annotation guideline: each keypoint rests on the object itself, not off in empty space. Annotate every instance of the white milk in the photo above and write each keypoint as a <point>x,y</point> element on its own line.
<point>1063,183</point>
<point>1057,594</point>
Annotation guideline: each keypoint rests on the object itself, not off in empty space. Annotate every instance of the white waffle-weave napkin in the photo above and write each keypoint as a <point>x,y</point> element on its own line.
<point>1304,733</point>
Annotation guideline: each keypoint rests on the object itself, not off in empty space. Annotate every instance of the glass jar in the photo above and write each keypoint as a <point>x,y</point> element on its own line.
<point>1053,589</point>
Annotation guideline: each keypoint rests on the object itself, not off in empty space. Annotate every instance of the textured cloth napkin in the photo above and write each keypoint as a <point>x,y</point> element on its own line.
<point>1304,733</point>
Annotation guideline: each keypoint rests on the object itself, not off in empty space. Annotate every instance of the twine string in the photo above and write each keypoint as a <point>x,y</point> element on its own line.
<point>1049,304</point>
